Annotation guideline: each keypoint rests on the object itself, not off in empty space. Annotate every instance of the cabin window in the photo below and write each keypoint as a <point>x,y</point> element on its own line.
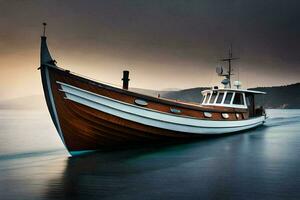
<point>249,100</point>
<point>203,99</point>
<point>220,97</point>
<point>207,98</point>
<point>213,97</point>
<point>228,98</point>
<point>238,99</point>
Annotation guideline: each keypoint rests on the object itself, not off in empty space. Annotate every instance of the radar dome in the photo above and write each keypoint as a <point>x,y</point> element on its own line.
<point>238,84</point>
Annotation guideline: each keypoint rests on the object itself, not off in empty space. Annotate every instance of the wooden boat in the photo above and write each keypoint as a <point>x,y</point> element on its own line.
<point>90,115</point>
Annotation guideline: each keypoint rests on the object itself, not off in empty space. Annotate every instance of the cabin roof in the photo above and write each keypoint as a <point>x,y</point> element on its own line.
<point>234,90</point>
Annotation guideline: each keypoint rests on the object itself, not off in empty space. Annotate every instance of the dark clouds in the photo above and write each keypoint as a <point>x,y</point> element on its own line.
<point>265,34</point>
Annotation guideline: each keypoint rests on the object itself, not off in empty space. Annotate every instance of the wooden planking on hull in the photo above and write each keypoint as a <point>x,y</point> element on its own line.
<point>110,131</point>
<point>85,128</point>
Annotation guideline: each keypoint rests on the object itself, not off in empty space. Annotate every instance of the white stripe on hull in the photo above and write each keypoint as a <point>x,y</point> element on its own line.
<point>155,118</point>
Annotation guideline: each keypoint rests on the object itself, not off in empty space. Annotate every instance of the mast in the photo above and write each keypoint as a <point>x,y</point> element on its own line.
<point>229,59</point>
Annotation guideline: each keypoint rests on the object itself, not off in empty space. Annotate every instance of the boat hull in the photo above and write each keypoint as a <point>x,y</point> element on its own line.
<point>92,116</point>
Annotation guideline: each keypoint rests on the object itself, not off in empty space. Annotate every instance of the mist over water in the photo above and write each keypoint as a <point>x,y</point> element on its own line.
<point>259,164</point>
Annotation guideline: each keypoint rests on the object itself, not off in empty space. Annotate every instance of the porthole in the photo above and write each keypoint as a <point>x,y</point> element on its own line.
<point>207,114</point>
<point>225,115</point>
<point>174,110</point>
<point>140,102</point>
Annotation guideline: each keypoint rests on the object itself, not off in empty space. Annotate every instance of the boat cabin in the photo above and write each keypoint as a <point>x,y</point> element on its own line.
<point>233,98</point>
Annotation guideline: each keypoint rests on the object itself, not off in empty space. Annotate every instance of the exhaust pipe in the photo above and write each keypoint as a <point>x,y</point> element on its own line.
<point>125,79</point>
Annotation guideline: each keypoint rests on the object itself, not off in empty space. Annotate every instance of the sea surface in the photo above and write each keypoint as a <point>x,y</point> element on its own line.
<point>263,163</point>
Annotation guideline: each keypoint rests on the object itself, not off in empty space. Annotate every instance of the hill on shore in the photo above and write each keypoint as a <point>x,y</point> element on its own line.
<point>280,96</point>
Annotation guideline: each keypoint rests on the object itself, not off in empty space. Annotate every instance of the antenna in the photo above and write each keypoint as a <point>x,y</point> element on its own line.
<point>229,59</point>
<point>44,29</point>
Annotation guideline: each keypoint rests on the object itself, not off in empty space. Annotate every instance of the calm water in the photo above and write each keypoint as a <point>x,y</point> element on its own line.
<point>260,164</point>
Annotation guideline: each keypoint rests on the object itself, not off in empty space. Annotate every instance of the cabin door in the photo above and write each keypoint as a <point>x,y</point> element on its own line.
<point>250,104</point>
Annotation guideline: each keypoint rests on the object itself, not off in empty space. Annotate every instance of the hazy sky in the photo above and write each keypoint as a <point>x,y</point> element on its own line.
<point>164,43</point>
